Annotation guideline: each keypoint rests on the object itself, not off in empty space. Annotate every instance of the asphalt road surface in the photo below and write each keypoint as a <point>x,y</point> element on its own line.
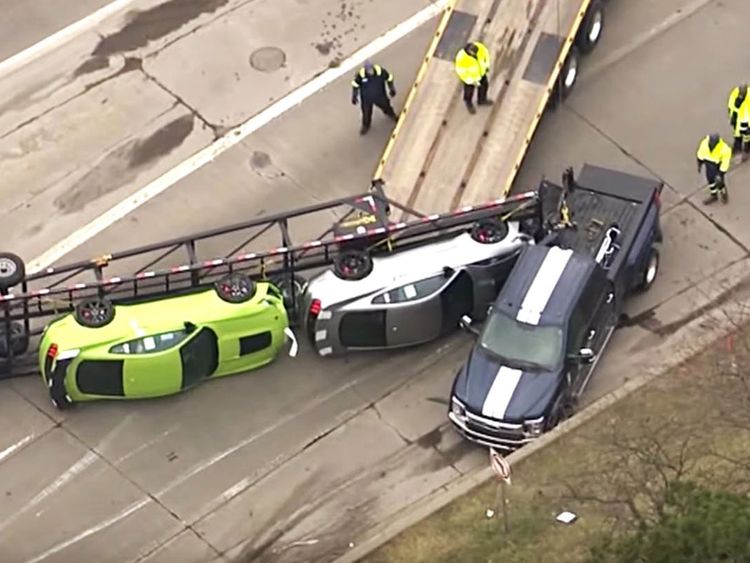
<point>290,462</point>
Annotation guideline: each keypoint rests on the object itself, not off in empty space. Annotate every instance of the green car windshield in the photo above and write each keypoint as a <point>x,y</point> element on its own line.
<point>150,344</point>
<point>522,345</point>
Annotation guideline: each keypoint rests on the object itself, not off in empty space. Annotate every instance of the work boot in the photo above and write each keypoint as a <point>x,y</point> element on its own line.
<point>724,196</point>
<point>710,199</point>
<point>471,108</point>
<point>485,102</point>
<point>364,129</point>
<point>393,116</point>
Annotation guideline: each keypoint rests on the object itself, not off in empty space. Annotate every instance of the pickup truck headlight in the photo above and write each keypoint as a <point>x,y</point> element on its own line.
<point>533,427</point>
<point>458,409</point>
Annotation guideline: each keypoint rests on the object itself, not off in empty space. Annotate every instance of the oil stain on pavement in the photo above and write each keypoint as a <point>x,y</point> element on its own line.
<point>145,26</point>
<point>122,165</point>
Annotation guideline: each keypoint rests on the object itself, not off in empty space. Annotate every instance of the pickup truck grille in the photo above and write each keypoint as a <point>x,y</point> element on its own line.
<point>490,432</point>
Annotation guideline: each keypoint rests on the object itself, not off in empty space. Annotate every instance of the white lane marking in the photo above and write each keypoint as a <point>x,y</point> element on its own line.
<point>144,446</point>
<point>232,138</point>
<point>75,469</point>
<point>545,282</point>
<point>53,41</point>
<point>501,392</point>
<point>91,531</point>
<point>69,474</point>
<point>10,450</point>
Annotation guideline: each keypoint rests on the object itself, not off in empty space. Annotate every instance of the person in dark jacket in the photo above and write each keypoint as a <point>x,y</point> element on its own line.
<point>369,89</point>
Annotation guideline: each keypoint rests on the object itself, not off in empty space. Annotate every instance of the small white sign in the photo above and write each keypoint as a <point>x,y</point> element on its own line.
<point>566,517</point>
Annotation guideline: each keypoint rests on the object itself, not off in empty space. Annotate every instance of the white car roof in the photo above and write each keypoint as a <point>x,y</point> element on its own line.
<point>409,266</point>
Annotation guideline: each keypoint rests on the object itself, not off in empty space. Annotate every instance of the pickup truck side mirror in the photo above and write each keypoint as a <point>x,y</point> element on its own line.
<point>466,323</point>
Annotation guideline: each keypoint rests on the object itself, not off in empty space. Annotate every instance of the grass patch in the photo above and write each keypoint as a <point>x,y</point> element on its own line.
<point>692,423</point>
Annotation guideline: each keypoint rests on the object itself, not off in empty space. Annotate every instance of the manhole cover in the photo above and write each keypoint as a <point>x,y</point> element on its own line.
<point>267,59</point>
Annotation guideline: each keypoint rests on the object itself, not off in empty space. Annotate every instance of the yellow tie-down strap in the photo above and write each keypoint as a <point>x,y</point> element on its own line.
<point>445,18</point>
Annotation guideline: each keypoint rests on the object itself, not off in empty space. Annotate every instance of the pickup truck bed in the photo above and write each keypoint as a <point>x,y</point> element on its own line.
<point>440,156</point>
<point>619,199</point>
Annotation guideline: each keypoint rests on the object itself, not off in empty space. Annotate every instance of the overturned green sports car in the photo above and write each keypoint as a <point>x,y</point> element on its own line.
<point>165,345</point>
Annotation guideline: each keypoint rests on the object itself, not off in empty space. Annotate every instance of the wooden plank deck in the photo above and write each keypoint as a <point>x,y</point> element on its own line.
<point>441,156</point>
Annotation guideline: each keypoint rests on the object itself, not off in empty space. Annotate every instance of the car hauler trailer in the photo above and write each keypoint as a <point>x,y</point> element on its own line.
<point>439,156</point>
<point>91,289</point>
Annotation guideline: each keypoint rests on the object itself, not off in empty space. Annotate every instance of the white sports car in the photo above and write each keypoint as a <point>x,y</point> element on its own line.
<point>410,296</point>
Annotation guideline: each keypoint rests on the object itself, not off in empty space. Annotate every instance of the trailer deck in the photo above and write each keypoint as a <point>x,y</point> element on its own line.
<point>439,156</point>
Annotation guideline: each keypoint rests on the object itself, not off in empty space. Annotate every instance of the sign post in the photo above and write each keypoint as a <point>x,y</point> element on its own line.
<point>501,468</point>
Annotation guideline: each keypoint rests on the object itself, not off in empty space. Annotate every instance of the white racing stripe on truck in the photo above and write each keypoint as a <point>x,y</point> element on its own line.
<point>543,285</point>
<point>501,392</point>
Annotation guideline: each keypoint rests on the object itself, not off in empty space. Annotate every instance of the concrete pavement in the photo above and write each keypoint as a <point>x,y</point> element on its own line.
<point>26,22</point>
<point>294,462</point>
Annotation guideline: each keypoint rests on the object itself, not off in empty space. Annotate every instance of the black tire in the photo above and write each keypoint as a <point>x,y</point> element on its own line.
<point>569,73</point>
<point>489,231</point>
<point>94,312</point>
<point>235,288</point>
<point>592,27</point>
<point>564,408</point>
<point>352,265</point>
<point>12,270</point>
<point>19,339</point>
<point>651,271</point>
<point>291,287</point>
<point>58,394</point>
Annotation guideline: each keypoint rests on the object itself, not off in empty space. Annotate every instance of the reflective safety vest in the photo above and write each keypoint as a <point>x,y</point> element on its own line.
<point>742,122</point>
<point>471,70</point>
<point>721,155</point>
<point>735,109</point>
<point>361,78</point>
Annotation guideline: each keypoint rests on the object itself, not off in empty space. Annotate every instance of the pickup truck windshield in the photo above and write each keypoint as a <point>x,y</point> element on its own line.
<point>522,344</point>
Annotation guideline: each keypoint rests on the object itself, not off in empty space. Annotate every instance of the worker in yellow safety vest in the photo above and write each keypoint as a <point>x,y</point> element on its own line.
<point>739,118</point>
<point>715,155</point>
<point>472,67</point>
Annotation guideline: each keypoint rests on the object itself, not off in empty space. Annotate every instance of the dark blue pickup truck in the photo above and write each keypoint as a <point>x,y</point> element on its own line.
<point>552,319</point>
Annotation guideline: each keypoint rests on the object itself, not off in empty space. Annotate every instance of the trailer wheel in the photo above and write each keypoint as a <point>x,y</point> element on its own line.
<point>19,339</point>
<point>235,288</point>
<point>58,394</point>
<point>569,72</point>
<point>12,270</point>
<point>489,231</point>
<point>352,265</point>
<point>591,28</point>
<point>291,286</point>
<point>650,271</point>
<point>94,312</point>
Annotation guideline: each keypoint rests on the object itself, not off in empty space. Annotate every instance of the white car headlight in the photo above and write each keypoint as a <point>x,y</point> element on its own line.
<point>533,427</point>
<point>458,409</point>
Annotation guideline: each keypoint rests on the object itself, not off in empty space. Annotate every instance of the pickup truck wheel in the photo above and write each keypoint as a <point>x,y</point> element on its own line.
<point>58,394</point>
<point>19,339</point>
<point>650,271</point>
<point>235,288</point>
<point>291,287</point>
<point>352,265</point>
<point>489,231</point>
<point>12,270</point>
<point>94,313</point>
<point>563,409</point>
<point>591,28</point>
